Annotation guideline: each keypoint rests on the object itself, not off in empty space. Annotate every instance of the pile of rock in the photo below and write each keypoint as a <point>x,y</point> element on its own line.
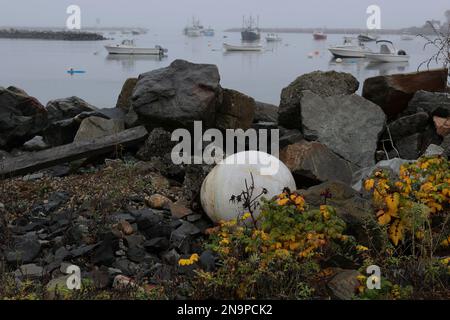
<point>330,139</point>
<point>144,243</point>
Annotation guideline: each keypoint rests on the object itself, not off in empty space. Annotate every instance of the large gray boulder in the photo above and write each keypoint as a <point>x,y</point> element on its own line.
<point>349,125</point>
<point>236,110</point>
<point>64,131</point>
<point>407,125</point>
<point>124,99</point>
<point>96,127</point>
<point>176,96</point>
<point>266,112</point>
<point>67,108</point>
<point>433,103</point>
<point>21,117</point>
<point>313,163</point>
<point>324,84</point>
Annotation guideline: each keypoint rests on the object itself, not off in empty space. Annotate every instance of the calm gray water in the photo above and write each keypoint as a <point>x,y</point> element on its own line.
<point>39,67</point>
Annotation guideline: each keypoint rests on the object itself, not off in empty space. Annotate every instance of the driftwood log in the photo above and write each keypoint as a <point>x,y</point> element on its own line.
<point>33,162</point>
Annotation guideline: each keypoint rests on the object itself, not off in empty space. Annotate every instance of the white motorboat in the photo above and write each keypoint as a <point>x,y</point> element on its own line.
<point>229,47</point>
<point>388,53</point>
<point>349,49</point>
<point>273,37</point>
<point>128,47</point>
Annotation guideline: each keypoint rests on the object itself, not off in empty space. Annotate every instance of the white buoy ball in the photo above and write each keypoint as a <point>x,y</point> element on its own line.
<point>229,176</point>
<point>339,60</point>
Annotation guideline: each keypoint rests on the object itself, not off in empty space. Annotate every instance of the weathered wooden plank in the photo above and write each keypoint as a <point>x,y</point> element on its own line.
<point>393,92</point>
<point>77,150</point>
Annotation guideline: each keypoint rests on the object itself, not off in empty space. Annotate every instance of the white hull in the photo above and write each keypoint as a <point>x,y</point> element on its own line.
<point>193,33</point>
<point>407,38</point>
<point>229,47</point>
<point>349,52</point>
<point>134,50</point>
<point>379,57</point>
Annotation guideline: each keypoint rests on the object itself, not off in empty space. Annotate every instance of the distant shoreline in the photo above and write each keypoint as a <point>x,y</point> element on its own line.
<point>413,30</point>
<point>50,35</point>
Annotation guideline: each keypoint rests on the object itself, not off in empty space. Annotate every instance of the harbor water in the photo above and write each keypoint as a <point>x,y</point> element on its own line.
<point>40,67</point>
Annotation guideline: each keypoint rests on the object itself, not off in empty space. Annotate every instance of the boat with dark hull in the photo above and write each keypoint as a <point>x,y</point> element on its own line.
<point>250,32</point>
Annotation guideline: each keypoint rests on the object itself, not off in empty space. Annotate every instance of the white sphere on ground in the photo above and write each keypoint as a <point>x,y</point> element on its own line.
<point>228,178</point>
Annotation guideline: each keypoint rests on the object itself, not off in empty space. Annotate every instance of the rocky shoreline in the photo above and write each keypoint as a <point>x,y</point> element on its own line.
<point>50,35</point>
<point>127,215</point>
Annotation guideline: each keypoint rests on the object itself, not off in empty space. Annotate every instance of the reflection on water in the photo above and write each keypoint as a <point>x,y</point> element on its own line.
<point>128,62</point>
<point>261,75</point>
<point>360,66</point>
<point>388,67</point>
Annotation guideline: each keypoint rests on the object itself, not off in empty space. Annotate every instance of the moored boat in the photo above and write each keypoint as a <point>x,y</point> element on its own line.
<point>319,35</point>
<point>195,29</point>
<point>250,32</point>
<point>349,49</point>
<point>127,47</point>
<point>388,53</point>
<point>229,47</point>
<point>208,32</point>
<point>273,37</point>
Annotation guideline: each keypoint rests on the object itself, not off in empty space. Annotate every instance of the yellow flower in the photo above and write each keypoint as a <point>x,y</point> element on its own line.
<point>194,258</point>
<point>446,192</point>
<point>224,242</point>
<point>361,248</point>
<point>325,213</point>
<point>246,216</point>
<point>369,184</point>
<point>185,262</point>
<point>299,201</point>
<point>399,184</point>
<point>361,278</point>
<point>445,242</point>
<point>420,235</point>
<point>282,202</point>
<point>383,218</point>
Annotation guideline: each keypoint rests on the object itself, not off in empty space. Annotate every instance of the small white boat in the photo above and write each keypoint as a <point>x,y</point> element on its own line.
<point>128,47</point>
<point>229,47</point>
<point>388,53</point>
<point>349,49</point>
<point>319,35</point>
<point>273,37</point>
<point>407,37</point>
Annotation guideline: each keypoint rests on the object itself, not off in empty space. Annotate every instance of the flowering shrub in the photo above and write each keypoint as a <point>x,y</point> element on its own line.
<point>408,204</point>
<point>287,243</point>
<point>287,229</point>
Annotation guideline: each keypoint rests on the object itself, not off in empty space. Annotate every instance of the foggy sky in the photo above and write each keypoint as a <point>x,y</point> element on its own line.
<point>221,14</point>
